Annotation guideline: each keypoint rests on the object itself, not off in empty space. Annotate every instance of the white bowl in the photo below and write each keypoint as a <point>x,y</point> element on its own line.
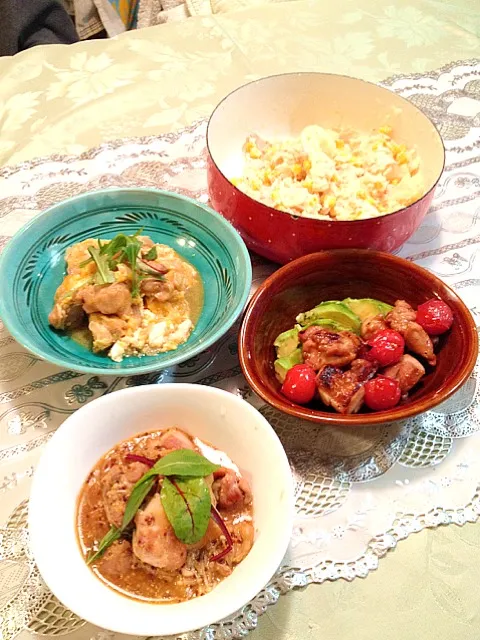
<point>220,418</point>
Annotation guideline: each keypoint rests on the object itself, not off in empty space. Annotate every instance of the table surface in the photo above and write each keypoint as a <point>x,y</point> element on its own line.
<point>59,100</point>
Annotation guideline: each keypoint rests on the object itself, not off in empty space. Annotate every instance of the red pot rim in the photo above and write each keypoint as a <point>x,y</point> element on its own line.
<point>271,210</point>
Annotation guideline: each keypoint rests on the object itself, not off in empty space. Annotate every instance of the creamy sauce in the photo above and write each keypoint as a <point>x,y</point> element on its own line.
<point>82,336</point>
<point>142,581</point>
<point>195,296</point>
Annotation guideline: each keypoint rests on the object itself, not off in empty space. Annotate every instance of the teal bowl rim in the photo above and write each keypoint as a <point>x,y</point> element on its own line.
<point>169,361</point>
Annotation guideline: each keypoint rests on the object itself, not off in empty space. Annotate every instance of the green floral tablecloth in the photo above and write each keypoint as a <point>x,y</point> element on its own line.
<point>59,100</point>
<point>65,100</point>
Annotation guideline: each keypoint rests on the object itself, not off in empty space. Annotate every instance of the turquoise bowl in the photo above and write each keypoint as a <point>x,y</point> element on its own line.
<point>32,266</point>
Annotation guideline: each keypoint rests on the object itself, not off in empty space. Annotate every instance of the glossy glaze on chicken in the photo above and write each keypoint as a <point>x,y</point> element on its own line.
<point>127,296</point>
<point>329,353</point>
<point>375,361</point>
<point>148,561</point>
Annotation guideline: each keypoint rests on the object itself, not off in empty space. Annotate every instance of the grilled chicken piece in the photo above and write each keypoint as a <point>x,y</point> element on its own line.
<point>321,347</point>
<point>370,326</point>
<point>399,317</point>
<point>402,319</point>
<point>154,540</point>
<point>344,391</point>
<point>106,330</point>
<point>407,371</point>
<point>230,490</point>
<point>418,341</point>
<point>109,299</point>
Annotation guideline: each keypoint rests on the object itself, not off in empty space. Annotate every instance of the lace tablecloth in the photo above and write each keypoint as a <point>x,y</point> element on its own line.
<point>359,491</point>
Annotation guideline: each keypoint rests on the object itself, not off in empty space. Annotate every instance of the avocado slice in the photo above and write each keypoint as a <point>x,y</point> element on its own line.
<point>287,342</point>
<point>367,307</point>
<point>324,322</point>
<point>384,307</point>
<point>282,365</point>
<point>333,310</point>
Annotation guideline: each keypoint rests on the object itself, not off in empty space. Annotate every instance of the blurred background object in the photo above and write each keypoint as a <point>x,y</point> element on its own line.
<point>108,18</point>
<point>100,18</point>
<point>26,24</point>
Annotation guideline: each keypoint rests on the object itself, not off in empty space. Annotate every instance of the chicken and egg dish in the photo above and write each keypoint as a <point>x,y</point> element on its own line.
<point>127,295</point>
<point>332,174</point>
<point>159,521</point>
<point>359,352</point>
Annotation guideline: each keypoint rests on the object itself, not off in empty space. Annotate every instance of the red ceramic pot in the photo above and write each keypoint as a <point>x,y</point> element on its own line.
<point>282,106</point>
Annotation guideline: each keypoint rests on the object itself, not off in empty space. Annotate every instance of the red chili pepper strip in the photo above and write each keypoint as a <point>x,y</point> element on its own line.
<point>221,523</point>
<point>132,457</point>
<point>155,267</point>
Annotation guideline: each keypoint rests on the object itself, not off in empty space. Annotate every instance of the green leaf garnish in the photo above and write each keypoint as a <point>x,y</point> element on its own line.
<point>105,542</point>
<point>115,245</point>
<point>187,504</point>
<point>139,492</point>
<point>182,463</point>
<point>125,249</point>
<point>152,254</point>
<point>104,274</point>
<point>131,251</point>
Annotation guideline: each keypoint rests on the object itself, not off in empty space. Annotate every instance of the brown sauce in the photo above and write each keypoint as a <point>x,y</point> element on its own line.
<point>137,579</point>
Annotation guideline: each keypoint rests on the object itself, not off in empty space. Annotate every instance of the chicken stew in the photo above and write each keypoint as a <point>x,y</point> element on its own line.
<point>158,521</point>
<point>127,296</point>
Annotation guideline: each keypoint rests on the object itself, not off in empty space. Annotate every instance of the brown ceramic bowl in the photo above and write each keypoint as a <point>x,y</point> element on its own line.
<point>356,273</point>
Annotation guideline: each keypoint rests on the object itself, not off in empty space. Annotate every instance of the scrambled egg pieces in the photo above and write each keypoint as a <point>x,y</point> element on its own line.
<point>329,174</point>
<point>119,321</point>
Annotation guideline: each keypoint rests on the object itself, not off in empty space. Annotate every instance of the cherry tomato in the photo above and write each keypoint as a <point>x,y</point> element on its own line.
<point>382,393</point>
<point>435,316</point>
<point>386,347</point>
<point>299,385</point>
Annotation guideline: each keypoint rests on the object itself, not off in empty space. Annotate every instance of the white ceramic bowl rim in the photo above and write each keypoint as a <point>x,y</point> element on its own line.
<point>315,73</point>
<point>94,429</point>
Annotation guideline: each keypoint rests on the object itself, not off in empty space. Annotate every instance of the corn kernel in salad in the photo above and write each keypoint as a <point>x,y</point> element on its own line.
<point>332,174</point>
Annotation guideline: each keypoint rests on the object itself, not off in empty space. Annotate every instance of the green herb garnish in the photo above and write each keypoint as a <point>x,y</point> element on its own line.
<point>104,274</point>
<point>187,505</point>
<point>105,542</point>
<point>152,254</point>
<point>185,511</point>
<point>122,249</point>
<point>182,462</point>
<point>131,251</point>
